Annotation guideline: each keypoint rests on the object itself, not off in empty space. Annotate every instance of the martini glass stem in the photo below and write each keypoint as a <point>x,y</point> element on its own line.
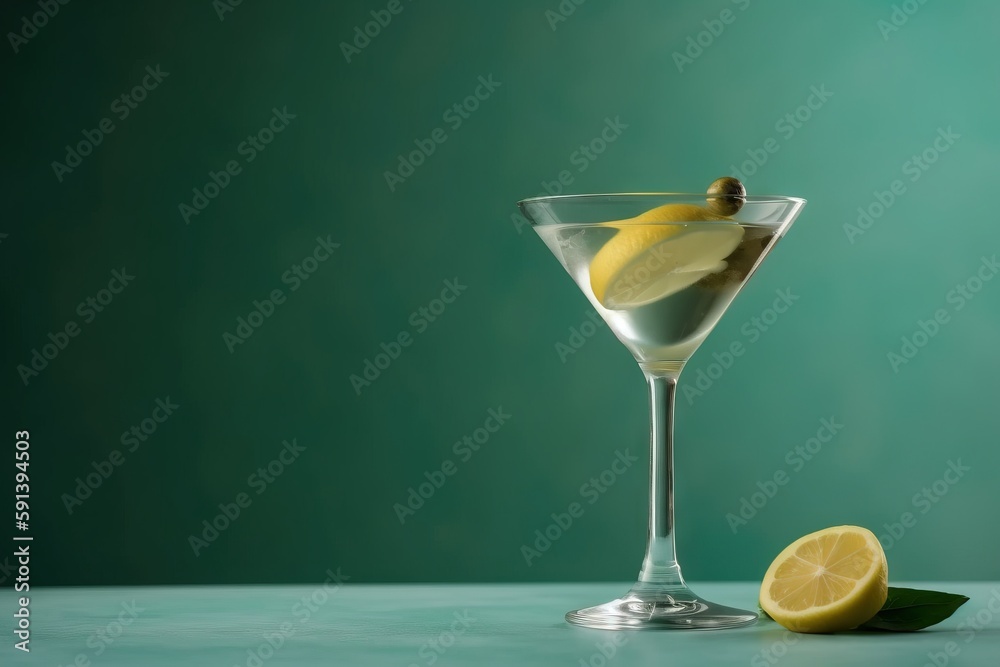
<point>660,568</point>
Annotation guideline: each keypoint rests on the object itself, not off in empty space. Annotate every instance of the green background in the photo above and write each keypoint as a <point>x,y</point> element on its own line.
<point>496,345</point>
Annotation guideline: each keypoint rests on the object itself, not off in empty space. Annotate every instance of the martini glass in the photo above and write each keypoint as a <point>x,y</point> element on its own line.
<point>661,269</point>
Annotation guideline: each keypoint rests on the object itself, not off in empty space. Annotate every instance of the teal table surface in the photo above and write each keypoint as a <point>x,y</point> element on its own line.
<point>403,625</point>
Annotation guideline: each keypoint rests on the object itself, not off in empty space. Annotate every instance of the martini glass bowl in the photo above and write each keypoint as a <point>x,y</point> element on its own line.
<point>661,269</point>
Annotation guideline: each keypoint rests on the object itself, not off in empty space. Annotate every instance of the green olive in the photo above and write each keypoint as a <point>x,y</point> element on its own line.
<point>729,196</point>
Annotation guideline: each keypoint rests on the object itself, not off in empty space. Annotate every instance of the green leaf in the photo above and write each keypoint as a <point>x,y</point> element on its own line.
<point>910,609</point>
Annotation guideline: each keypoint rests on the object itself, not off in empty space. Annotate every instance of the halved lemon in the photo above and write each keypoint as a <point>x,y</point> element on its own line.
<point>657,254</point>
<point>830,580</point>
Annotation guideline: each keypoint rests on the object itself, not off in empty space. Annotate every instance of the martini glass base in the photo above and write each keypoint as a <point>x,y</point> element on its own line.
<point>662,608</point>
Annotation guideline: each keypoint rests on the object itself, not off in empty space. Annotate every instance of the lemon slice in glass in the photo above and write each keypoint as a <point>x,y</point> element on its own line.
<point>657,254</point>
